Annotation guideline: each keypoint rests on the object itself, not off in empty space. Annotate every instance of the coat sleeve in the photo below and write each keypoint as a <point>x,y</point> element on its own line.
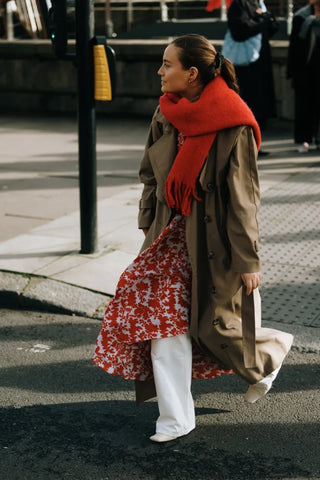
<point>243,204</point>
<point>147,204</point>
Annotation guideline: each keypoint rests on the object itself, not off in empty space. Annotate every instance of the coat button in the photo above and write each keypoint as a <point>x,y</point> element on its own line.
<point>216,321</point>
<point>207,219</point>
<point>210,186</point>
<point>223,346</point>
<point>210,255</point>
<point>213,289</point>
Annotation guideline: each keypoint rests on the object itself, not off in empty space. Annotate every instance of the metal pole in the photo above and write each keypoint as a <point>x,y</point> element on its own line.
<point>223,14</point>
<point>108,20</point>
<point>9,9</point>
<point>163,11</point>
<point>86,126</point>
<point>175,10</point>
<point>129,15</point>
<point>289,16</point>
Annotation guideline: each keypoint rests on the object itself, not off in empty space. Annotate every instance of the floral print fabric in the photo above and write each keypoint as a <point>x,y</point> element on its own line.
<point>152,300</point>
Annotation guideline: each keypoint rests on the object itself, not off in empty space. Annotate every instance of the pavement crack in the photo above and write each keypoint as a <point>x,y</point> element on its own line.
<point>17,215</point>
<point>33,281</point>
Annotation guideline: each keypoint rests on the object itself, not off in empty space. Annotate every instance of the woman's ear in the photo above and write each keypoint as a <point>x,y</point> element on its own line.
<point>193,74</point>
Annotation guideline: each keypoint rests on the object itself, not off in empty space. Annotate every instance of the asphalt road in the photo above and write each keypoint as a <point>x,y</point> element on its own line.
<point>64,418</point>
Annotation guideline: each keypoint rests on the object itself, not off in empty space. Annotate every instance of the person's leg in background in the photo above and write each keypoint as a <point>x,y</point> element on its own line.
<point>303,117</point>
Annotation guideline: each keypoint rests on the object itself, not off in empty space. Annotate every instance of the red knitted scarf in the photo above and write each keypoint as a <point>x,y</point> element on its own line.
<point>218,108</point>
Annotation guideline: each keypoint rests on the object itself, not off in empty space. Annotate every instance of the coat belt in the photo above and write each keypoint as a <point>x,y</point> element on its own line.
<point>248,329</point>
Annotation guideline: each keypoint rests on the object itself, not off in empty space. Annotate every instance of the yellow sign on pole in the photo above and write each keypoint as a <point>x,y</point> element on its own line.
<point>102,79</point>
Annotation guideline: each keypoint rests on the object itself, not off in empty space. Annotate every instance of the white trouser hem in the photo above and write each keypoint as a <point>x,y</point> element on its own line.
<point>172,369</point>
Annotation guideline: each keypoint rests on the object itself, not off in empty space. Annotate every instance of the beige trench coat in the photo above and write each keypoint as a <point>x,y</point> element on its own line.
<point>222,240</point>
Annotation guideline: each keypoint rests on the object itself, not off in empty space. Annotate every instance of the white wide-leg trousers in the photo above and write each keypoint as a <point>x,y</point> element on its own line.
<point>172,368</point>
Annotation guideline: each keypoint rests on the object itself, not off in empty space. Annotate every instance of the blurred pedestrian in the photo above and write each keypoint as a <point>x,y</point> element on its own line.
<point>304,69</point>
<point>180,310</point>
<point>246,44</point>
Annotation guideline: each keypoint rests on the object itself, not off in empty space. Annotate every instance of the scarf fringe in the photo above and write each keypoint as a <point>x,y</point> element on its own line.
<point>180,197</point>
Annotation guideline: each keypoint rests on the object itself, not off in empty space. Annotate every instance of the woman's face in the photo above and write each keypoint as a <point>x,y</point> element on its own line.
<point>174,79</point>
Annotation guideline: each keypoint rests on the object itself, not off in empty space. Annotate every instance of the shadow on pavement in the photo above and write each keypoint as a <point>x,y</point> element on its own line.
<point>62,335</point>
<point>82,376</point>
<point>109,440</point>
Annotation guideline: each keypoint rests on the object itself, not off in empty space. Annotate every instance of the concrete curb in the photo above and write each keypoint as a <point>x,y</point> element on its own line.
<point>18,290</point>
<point>306,339</point>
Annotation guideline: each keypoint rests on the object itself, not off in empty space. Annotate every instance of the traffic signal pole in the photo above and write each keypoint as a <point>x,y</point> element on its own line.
<point>95,61</point>
<point>86,126</point>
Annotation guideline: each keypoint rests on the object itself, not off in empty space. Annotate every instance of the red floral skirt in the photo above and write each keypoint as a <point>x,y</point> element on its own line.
<point>152,300</point>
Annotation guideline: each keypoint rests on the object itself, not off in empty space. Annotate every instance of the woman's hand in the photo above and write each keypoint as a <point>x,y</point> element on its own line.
<point>251,280</point>
<point>145,231</point>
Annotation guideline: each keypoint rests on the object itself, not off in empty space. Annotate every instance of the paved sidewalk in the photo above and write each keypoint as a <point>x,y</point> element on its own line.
<point>40,263</point>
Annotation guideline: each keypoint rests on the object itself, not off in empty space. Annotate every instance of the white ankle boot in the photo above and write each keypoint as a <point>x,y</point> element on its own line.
<point>259,389</point>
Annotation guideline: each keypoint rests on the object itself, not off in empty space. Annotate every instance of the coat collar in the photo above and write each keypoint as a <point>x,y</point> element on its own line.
<point>167,127</point>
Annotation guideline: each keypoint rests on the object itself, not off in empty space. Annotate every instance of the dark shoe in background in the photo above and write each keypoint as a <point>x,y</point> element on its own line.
<point>263,153</point>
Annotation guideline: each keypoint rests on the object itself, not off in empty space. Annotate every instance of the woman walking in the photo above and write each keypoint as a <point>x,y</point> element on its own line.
<point>185,307</point>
